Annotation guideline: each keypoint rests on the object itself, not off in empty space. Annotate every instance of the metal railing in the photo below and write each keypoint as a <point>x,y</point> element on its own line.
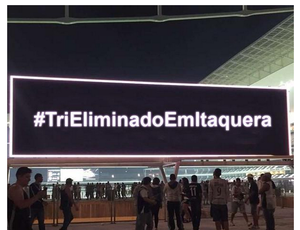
<point>111,201</point>
<point>113,208</point>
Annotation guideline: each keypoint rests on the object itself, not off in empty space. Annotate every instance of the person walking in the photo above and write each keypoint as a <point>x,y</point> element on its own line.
<point>37,208</point>
<point>123,188</point>
<point>108,191</point>
<point>195,201</point>
<point>132,188</point>
<point>254,200</point>
<point>87,190</point>
<point>75,191</point>
<point>238,196</point>
<point>97,191</point>
<point>19,202</point>
<point>218,197</point>
<point>259,185</point>
<point>66,204</point>
<point>205,192</point>
<point>185,200</point>
<point>144,201</point>
<point>78,191</point>
<point>102,189</point>
<point>136,192</point>
<point>157,194</point>
<point>118,190</point>
<point>268,197</point>
<point>172,190</point>
<point>92,191</point>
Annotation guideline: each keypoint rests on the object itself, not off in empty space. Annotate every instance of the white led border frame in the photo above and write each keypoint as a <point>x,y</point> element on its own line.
<point>12,77</point>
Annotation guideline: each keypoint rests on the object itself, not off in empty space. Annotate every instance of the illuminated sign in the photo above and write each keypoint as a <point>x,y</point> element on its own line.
<point>101,118</point>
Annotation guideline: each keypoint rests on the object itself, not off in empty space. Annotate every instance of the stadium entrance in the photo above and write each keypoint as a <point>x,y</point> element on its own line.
<point>104,188</point>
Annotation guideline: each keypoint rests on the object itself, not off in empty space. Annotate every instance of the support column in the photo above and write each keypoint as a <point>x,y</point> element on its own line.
<point>67,12</point>
<point>162,171</point>
<point>8,172</point>
<point>159,11</point>
<point>177,168</point>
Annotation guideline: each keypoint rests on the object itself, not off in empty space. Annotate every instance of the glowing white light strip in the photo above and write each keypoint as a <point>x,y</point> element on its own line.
<point>12,77</point>
<point>136,156</point>
<point>140,82</point>
<point>288,121</point>
<point>11,118</point>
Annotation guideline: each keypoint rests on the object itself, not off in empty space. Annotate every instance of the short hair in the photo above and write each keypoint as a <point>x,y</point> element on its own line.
<point>146,180</point>
<point>156,181</point>
<point>185,181</point>
<point>238,179</point>
<point>267,174</point>
<point>69,181</point>
<point>172,177</point>
<point>37,176</point>
<point>217,172</point>
<point>194,178</point>
<point>22,171</point>
<point>250,176</point>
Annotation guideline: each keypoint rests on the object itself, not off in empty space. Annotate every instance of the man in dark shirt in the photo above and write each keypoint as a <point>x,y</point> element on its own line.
<point>254,200</point>
<point>19,203</point>
<point>144,201</point>
<point>195,199</point>
<point>37,208</point>
<point>66,203</point>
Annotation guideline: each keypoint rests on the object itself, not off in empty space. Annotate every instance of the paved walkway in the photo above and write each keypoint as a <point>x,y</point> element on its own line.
<point>284,219</point>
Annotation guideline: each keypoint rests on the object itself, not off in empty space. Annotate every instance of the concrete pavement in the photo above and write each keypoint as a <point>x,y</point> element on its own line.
<point>284,219</point>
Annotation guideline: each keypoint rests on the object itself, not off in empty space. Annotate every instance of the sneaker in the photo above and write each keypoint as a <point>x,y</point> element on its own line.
<point>250,225</point>
<point>231,223</point>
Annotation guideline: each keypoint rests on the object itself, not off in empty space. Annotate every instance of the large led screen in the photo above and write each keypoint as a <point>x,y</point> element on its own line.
<point>80,117</point>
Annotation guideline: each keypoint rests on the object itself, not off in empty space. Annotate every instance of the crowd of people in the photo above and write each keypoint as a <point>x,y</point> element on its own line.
<point>184,200</point>
<point>102,190</point>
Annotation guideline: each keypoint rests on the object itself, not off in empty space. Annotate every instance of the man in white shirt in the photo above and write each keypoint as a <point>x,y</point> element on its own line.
<point>218,197</point>
<point>172,190</point>
<point>259,185</point>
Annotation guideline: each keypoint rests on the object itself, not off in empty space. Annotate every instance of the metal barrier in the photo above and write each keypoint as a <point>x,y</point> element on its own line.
<point>94,210</point>
<point>110,209</point>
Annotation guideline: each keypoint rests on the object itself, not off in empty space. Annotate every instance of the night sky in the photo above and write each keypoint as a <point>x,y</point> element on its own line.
<point>182,51</point>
